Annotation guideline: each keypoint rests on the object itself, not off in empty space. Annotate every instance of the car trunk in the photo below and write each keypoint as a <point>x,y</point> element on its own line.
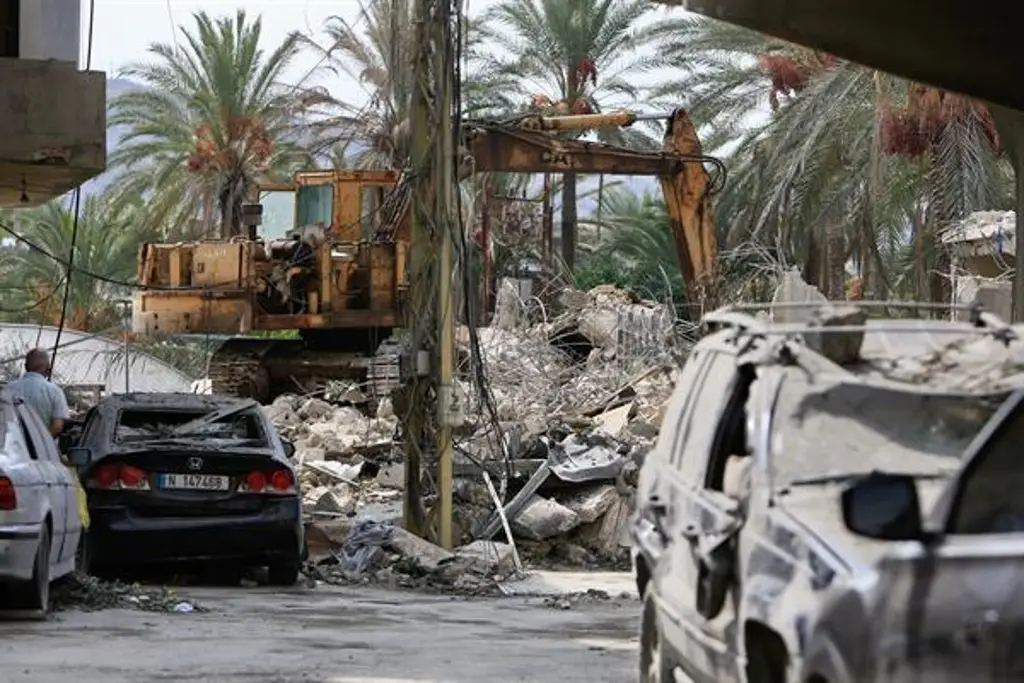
<point>201,482</point>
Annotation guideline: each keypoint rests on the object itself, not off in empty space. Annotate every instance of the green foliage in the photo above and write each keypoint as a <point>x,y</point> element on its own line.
<point>637,250</point>
<point>107,244</point>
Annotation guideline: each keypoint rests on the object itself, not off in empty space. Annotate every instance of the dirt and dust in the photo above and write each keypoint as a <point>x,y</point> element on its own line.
<point>330,635</point>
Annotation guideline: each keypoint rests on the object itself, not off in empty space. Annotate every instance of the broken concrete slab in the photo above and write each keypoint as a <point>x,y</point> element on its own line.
<point>338,500</point>
<point>423,552</point>
<point>518,502</point>
<point>542,518</point>
<point>486,557</point>
<point>614,422</point>
<point>842,348</point>
<point>591,502</point>
<point>607,535</point>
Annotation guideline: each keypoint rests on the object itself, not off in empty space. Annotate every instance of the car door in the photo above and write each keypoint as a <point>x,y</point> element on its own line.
<point>16,462</point>
<point>43,451</point>
<point>954,608</point>
<point>704,651</point>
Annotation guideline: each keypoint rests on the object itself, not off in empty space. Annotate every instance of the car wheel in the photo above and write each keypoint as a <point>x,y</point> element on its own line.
<point>35,595</point>
<point>284,573</point>
<point>655,663</point>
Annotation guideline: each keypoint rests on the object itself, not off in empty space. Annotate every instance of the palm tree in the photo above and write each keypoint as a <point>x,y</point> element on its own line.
<point>579,55</point>
<point>637,249</point>
<point>376,51</point>
<point>213,119</point>
<point>850,163</point>
<point>106,244</point>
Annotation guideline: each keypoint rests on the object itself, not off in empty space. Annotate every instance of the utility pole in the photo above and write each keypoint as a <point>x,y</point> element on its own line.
<point>445,156</point>
<point>427,402</point>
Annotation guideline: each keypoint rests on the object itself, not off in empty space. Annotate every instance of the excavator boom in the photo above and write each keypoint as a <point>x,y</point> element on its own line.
<point>685,182</point>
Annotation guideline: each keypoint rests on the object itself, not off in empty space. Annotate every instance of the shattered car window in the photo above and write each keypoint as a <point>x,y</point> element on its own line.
<point>148,425</point>
<point>826,429</point>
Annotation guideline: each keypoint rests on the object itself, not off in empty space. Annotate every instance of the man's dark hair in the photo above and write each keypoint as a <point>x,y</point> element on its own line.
<point>37,360</point>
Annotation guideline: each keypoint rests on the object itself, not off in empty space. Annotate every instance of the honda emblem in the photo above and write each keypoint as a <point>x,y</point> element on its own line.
<point>195,464</point>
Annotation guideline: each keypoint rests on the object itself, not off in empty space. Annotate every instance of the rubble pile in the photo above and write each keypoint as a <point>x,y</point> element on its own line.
<point>90,594</point>
<point>577,398</point>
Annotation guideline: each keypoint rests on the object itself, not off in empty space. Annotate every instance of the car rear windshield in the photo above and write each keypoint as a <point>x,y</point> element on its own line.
<point>824,428</point>
<point>136,425</point>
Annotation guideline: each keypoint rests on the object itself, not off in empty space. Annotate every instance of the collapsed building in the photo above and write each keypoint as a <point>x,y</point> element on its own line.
<point>549,454</point>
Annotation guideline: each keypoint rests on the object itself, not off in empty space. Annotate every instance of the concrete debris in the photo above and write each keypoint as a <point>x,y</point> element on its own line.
<point>543,518</point>
<point>842,348</point>
<point>384,553</point>
<point>88,593</point>
<point>579,396</point>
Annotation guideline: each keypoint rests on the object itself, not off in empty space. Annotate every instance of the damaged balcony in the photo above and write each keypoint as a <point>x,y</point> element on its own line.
<point>53,121</point>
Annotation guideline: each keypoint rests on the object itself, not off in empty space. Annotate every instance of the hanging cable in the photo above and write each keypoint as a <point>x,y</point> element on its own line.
<point>78,211</point>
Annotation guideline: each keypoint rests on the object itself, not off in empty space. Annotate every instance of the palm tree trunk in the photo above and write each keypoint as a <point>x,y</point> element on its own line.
<point>919,266</point>
<point>812,262</point>
<point>569,220</point>
<point>836,248</point>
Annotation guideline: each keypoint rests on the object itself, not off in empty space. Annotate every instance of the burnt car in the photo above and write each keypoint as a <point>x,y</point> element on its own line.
<point>737,536</point>
<point>186,477</point>
<point>946,601</point>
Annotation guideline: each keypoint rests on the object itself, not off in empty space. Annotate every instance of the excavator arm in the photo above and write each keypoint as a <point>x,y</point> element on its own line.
<point>528,147</point>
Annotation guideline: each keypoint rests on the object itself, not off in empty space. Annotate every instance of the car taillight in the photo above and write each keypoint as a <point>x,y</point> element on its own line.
<point>8,498</point>
<point>282,481</point>
<point>256,482</point>
<point>279,481</point>
<point>119,477</point>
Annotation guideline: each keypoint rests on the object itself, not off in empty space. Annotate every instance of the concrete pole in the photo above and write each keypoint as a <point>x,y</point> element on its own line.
<point>444,219</point>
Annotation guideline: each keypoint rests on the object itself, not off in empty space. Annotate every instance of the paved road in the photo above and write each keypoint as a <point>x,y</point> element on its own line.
<point>329,635</point>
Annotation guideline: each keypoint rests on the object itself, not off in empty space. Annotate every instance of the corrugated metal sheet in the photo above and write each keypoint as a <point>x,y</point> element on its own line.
<point>87,359</point>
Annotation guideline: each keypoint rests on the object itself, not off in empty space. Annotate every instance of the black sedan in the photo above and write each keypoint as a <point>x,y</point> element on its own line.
<point>185,477</point>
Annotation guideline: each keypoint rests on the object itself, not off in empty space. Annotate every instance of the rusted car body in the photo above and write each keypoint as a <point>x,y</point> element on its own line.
<point>738,536</point>
<point>945,602</point>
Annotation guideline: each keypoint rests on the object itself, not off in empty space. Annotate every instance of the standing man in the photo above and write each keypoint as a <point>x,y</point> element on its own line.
<point>45,397</point>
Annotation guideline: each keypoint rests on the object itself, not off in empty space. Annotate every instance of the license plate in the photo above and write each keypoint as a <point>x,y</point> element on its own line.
<point>195,482</point>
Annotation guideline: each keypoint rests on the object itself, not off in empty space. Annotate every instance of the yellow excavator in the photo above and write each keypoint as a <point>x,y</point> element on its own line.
<point>330,259</point>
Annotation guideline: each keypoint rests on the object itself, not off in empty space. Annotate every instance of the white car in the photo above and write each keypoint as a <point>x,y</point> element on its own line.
<point>40,526</point>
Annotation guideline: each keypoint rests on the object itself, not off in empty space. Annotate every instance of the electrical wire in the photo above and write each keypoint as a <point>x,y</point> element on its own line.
<point>480,380</point>
<point>68,263</point>
<point>78,212</point>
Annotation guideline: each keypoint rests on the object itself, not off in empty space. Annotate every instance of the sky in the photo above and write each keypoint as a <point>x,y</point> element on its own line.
<point>124,29</point>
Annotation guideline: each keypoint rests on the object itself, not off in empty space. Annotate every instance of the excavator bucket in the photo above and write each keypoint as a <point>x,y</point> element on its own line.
<point>688,200</point>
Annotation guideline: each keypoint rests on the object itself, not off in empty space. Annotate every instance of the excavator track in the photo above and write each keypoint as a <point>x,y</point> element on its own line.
<point>263,369</point>
<point>237,368</point>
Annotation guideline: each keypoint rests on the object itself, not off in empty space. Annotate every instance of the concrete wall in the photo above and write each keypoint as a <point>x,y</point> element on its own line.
<point>53,121</point>
<point>50,29</point>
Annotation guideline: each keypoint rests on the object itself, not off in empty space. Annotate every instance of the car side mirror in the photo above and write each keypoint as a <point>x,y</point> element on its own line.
<point>80,456</point>
<point>289,448</point>
<point>883,507</point>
